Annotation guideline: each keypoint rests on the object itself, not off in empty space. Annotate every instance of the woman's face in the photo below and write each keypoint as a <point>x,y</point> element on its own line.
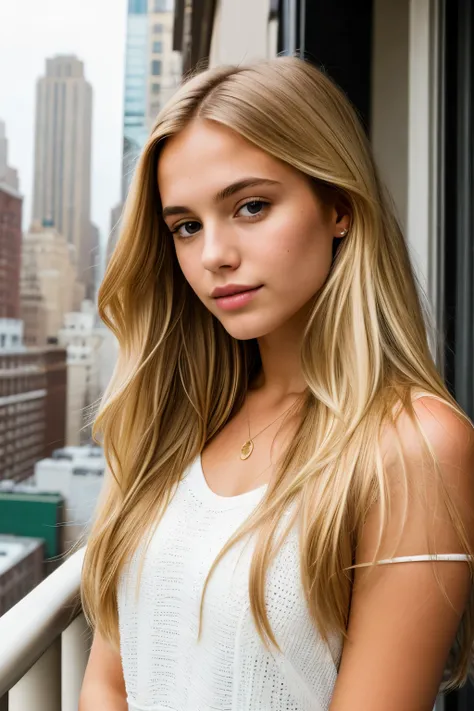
<point>252,238</point>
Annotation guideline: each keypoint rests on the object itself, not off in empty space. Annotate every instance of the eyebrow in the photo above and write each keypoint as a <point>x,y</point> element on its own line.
<point>222,194</point>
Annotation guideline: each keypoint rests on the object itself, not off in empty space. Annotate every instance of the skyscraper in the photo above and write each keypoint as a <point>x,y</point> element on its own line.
<point>152,74</point>
<point>62,176</point>
<point>165,65</point>
<point>135,124</point>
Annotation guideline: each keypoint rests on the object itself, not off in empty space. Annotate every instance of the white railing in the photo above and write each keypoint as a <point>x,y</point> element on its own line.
<point>44,645</point>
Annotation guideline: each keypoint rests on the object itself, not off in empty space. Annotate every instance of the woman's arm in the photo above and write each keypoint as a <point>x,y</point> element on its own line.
<point>103,687</point>
<point>401,626</point>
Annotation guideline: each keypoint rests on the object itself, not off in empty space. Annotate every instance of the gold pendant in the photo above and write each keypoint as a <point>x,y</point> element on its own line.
<point>246,449</point>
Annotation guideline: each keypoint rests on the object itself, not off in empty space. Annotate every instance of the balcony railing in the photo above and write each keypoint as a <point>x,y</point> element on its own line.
<point>44,645</point>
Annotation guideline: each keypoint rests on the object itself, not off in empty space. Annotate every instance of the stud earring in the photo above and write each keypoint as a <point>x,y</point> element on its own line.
<point>343,232</point>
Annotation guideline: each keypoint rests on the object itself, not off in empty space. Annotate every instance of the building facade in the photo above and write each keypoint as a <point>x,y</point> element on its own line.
<point>164,63</point>
<point>135,124</point>
<point>152,74</point>
<point>82,339</point>
<point>49,286</point>
<point>77,473</point>
<point>8,175</point>
<point>21,568</point>
<point>62,173</point>
<point>10,251</point>
<point>32,416</point>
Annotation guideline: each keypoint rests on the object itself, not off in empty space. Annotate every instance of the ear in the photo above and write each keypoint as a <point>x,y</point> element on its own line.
<point>342,226</point>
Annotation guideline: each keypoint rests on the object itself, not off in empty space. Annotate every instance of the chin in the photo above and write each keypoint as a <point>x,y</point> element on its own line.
<point>244,329</point>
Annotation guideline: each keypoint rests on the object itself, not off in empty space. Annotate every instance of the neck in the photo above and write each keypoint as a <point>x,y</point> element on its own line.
<point>280,352</point>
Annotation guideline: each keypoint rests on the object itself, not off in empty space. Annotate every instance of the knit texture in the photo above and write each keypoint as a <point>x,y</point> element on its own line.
<point>229,669</point>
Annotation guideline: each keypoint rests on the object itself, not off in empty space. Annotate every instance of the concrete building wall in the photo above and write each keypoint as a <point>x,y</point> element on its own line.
<point>242,32</point>
<point>83,340</point>
<point>48,283</point>
<point>404,125</point>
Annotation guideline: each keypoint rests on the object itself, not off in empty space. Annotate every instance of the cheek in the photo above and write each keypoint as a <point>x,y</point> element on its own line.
<point>300,257</point>
<point>189,264</point>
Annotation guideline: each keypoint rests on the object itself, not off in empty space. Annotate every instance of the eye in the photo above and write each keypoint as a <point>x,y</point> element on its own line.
<point>192,227</point>
<point>255,208</point>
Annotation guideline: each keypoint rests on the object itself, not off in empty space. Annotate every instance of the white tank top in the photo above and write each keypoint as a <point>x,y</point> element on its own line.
<point>229,669</point>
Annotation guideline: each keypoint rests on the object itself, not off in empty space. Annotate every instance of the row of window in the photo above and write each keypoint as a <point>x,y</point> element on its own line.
<point>28,406</point>
<point>19,385</point>
<point>20,433</point>
<point>17,448</point>
<point>19,420</point>
<point>17,432</point>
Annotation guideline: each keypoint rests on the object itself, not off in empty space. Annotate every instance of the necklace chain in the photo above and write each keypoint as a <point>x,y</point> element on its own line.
<point>248,446</point>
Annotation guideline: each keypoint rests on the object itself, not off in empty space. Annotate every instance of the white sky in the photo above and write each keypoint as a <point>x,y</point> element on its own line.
<point>94,30</point>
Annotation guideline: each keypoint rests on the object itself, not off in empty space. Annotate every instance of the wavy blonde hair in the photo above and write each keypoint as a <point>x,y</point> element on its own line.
<point>180,376</point>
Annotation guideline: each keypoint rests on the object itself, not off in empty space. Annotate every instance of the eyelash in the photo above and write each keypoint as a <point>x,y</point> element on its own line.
<point>253,218</point>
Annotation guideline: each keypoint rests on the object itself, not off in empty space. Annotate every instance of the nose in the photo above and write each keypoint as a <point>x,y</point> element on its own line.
<point>220,248</point>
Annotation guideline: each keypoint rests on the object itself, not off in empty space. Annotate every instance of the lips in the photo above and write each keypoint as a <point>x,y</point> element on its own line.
<point>232,289</point>
<point>232,300</point>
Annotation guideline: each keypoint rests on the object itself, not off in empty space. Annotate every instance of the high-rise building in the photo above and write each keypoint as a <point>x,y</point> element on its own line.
<point>8,175</point>
<point>165,65</point>
<point>49,284</point>
<point>135,124</point>
<point>10,236</point>
<point>152,74</point>
<point>82,338</point>
<point>62,175</point>
<point>32,407</point>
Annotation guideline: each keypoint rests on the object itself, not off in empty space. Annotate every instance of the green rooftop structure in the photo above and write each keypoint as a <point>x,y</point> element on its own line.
<point>35,516</point>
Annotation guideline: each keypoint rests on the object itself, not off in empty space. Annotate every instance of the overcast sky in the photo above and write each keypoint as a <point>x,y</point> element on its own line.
<point>94,30</point>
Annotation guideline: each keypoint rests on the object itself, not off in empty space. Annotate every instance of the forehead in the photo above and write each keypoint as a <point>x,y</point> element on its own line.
<point>205,157</point>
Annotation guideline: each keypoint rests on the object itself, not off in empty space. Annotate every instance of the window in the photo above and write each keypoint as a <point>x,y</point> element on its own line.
<point>157,47</point>
<point>163,6</point>
<point>156,67</point>
<point>158,29</point>
<point>155,88</point>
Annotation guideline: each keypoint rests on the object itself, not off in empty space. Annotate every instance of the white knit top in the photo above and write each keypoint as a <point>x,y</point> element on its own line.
<point>229,669</point>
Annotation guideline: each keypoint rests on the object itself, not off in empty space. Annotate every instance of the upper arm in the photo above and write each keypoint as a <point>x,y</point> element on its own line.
<point>103,678</point>
<point>401,625</point>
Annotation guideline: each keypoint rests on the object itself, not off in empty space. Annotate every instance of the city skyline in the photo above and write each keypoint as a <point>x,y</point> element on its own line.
<point>63,27</point>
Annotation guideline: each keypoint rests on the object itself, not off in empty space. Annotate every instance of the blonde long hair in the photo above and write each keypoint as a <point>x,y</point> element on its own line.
<point>180,376</point>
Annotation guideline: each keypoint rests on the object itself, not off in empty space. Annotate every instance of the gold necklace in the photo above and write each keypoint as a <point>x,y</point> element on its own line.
<point>248,446</point>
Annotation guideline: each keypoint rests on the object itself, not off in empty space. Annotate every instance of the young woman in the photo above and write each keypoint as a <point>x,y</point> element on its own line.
<point>288,520</point>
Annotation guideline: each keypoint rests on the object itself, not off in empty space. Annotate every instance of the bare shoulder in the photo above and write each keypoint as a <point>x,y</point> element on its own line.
<point>404,616</point>
<point>428,462</point>
<point>437,433</point>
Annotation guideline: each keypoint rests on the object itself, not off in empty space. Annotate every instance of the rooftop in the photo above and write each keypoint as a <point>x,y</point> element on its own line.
<point>15,548</point>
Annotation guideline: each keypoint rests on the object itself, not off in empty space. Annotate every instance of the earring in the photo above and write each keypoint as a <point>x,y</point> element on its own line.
<point>343,232</point>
